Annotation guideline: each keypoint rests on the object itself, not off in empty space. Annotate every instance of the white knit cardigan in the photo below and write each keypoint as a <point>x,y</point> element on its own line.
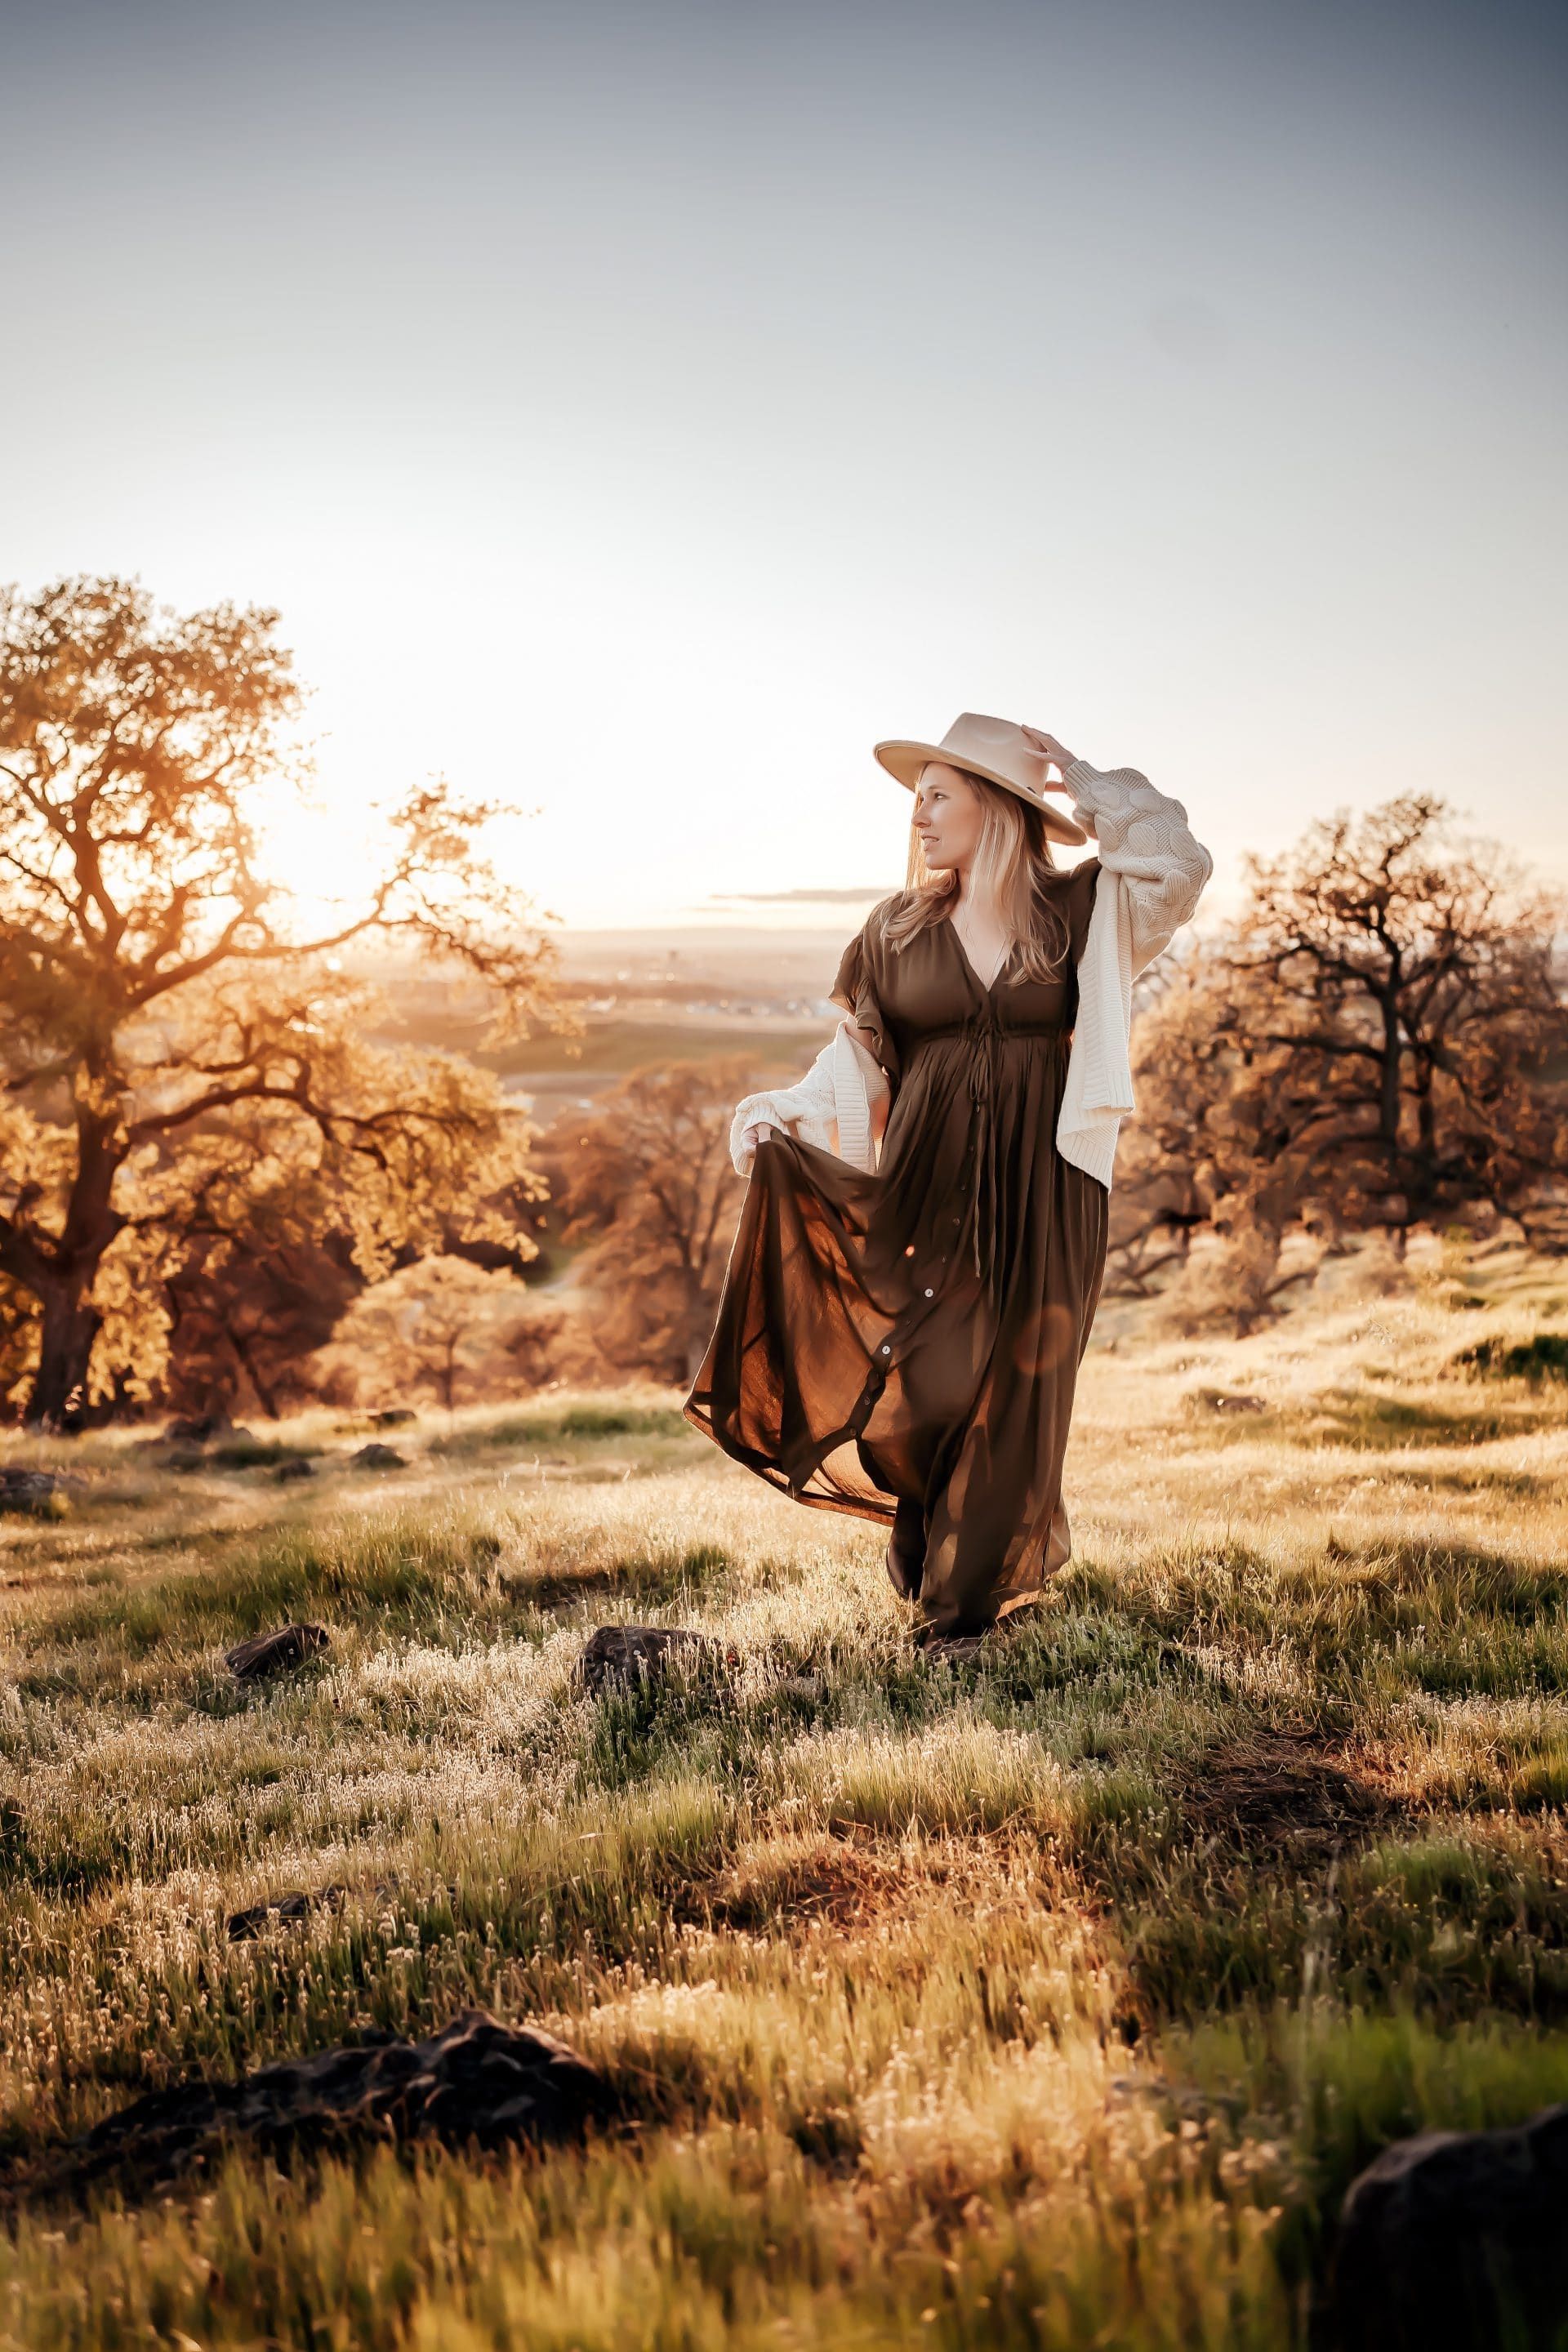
<point>1153,875</point>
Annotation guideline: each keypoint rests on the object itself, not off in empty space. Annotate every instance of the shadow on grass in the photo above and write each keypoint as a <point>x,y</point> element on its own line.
<point>1366,1420</point>
<point>542,1427</point>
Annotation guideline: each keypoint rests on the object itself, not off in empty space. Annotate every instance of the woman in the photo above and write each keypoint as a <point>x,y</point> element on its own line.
<point>899,1330</point>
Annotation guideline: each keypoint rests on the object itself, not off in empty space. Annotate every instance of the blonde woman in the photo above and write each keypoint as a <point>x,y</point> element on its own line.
<point>920,1253</point>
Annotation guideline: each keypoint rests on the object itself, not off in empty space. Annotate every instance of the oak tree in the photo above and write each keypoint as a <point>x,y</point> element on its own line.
<point>172,1039</point>
<point>441,1326</point>
<point>648,1188</point>
<point>1405,1000</point>
<point>1379,1041</point>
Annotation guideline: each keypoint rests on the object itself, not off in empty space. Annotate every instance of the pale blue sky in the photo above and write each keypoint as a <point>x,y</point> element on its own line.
<point>636,411</point>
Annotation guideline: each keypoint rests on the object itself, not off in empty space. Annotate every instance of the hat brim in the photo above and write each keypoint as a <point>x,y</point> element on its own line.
<point>905,761</point>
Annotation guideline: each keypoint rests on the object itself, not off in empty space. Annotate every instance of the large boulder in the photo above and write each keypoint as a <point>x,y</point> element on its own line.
<point>1457,2241</point>
<point>477,2080</point>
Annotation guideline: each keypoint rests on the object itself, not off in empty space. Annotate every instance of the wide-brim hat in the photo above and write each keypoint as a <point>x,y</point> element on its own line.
<point>995,748</point>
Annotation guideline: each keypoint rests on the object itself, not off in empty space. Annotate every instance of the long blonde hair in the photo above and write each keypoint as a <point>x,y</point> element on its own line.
<point>1011,866</point>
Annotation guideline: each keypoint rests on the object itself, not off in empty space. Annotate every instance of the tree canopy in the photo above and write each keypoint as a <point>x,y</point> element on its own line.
<point>177,1057</point>
<point>1379,1041</point>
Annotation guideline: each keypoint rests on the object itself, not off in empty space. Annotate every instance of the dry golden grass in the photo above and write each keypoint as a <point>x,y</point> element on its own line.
<point>1046,2001</point>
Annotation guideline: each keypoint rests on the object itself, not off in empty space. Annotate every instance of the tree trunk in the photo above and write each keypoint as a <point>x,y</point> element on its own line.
<point>70,1326</point>
<point>266,1396</point>
<point>1391,1077</point>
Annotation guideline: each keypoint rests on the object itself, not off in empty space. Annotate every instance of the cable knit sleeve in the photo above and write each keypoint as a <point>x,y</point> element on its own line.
<point>1143,838</point>
<point>834,1105</point>
<point>808,1108</point>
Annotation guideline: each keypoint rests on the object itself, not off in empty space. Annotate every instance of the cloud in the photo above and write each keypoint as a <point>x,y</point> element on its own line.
<point>788,897</point>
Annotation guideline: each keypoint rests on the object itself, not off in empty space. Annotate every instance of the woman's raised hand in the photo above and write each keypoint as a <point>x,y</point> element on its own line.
<point>1053,749</point>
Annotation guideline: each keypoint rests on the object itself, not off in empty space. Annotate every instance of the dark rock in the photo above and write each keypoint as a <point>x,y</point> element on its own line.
<point>269,1654</point>
<point>379,1457</point>
<point>477,2080</point>
<point>1457,2241</point>
<point>201,1428</point>
<point>37,1491</point>
<point>294,1465</point>
<point>289,1910</point>
<point>286,1910</point>
<point>394,1416</point>
<point>281,1911</point>
<point>628,1651</point>
<point>1240,1404</point>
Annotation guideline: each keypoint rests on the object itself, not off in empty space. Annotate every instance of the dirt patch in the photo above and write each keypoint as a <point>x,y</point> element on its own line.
<point>856,1884</point>
<point>779,1883</point>
<point>1283,1788</point>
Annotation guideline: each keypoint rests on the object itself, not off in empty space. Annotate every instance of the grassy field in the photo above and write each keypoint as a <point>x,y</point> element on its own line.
<point>1051,2001</point>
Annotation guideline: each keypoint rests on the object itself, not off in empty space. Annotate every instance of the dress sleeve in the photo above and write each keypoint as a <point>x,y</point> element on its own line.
<point>856,990</point>
<point>1080,891</point>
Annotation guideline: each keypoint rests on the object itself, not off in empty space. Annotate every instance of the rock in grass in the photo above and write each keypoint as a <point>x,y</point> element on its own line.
<point>394,1416</point>
<point>290,1910</point>
<point>42,1493</point>
<point>293,1909</point>
<point>271,1654</point>
<point>292,1466</point>
<point>626,1652</point>
<point>283,1911</point>
<point>476,2080</point>
<point>201,1429</point>
<point>1443,2232</point>
<point>379,1457</point>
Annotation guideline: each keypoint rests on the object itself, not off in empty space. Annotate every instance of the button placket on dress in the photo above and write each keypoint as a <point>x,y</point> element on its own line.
<point>985,1032</point>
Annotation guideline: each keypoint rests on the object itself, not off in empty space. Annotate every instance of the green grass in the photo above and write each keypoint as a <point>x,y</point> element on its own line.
<point>1045,2001</point>
<point>543,1426</point>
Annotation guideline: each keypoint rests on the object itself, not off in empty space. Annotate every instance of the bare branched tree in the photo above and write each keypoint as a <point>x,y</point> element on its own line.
<point>649,1188</point>
<point>1380,1042</point>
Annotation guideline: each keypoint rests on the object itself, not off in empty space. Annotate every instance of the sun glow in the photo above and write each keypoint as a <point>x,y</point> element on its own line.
<point>323,853</point>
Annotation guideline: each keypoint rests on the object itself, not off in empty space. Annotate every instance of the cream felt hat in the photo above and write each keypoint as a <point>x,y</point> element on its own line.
<point>995,748</point>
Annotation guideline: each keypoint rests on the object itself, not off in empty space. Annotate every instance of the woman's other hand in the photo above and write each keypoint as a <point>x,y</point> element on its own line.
<point>1054,749</point>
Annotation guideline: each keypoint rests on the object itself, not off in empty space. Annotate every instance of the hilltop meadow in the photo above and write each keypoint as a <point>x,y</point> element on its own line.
<point>1049,2000</point>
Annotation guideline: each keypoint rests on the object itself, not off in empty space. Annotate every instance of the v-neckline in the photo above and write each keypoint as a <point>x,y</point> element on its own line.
<point>985,986</point>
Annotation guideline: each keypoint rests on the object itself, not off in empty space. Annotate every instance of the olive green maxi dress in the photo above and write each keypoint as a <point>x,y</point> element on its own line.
<point>905,1344</point>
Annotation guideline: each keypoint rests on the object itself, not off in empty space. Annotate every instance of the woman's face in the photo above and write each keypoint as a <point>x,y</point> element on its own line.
<point>948,813</point>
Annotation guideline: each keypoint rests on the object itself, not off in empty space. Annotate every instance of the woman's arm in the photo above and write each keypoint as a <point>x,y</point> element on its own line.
<point>1143,838</point>
<point>810,1106</point>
